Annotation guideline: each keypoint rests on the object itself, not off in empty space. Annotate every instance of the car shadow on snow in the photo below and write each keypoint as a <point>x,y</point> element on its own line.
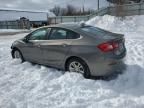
<point>125,70</point>
<point>130,82</point>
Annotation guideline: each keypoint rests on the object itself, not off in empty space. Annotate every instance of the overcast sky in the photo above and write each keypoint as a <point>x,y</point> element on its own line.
<point>47,4</point>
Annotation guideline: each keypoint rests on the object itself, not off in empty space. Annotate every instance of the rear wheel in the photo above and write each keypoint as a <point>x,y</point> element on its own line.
<point>79,66</point>
<point>17,55</point>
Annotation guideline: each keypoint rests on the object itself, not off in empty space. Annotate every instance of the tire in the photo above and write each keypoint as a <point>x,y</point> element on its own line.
<point>83,67</point>
<point>16,54</point>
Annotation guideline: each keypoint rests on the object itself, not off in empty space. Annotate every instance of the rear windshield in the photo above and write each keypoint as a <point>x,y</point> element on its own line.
<point>94,30</point>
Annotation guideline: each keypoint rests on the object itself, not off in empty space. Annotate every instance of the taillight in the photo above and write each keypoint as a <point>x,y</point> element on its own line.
<point>108,46</point>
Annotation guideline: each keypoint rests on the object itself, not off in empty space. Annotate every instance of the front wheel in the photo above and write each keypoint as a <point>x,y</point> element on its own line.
<point>16,54</point>
<point>79,66</point>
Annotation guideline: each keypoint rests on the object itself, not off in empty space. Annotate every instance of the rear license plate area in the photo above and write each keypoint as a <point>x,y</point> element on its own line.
<point>120,49</point>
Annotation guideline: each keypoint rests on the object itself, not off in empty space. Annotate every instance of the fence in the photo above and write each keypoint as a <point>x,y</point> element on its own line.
<point>8,25</point>
<point>62,19</point>
<point>127,10</point>
<point>18,24</point>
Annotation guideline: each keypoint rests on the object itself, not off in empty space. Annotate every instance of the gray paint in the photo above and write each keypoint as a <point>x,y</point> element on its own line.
<point>56,52</point>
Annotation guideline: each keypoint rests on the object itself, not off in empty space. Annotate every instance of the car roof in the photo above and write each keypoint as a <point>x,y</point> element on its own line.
<point>71,26</point>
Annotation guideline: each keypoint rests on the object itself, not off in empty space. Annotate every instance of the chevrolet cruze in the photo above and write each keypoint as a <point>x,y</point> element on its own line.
<point>80,48</point>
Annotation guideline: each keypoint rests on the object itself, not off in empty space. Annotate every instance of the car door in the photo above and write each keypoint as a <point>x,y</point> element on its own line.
<point>57,46</point>
<point>32,46</point>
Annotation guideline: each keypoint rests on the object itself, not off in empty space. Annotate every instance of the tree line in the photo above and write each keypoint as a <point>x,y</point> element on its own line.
<point>123,1</point>
<point>70,10</point>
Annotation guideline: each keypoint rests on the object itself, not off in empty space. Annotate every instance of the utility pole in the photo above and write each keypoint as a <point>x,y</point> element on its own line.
<point>83,9</point>
<point>48,18</point>
<point>98,5</point>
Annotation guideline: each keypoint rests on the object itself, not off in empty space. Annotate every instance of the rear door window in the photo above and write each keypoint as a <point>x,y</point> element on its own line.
<point>57,34</point>
<point>72,35</point>
<point>60,33</point>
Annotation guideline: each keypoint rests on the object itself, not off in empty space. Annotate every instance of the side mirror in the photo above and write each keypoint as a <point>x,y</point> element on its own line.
<point>25,40</point>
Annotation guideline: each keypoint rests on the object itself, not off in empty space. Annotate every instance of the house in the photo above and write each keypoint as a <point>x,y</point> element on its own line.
<point>12,17</point>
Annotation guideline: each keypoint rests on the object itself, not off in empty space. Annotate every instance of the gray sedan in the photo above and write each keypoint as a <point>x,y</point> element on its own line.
<point>73,47</point>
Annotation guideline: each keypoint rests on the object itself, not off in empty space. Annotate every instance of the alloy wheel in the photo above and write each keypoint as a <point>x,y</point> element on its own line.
<point>76,67</point>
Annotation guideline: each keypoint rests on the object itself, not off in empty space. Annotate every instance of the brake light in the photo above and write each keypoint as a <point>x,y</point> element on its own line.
<point>108,46</point>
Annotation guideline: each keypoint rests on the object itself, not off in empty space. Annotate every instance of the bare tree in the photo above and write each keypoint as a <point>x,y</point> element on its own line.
<point>70,9</point>
<point>119,11</point>
<point>63,11</point>
<point>56,10</point>
<point>119,8</point>
<point>119,5</point>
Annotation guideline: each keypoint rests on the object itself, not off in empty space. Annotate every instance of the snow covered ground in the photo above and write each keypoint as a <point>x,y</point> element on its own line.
<point>35,86</point>
<point>11,30</point>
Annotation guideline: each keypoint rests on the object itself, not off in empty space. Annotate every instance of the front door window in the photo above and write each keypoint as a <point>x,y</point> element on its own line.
<point>39,34</point>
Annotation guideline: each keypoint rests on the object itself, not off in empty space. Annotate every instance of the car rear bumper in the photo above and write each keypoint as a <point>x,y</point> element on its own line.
<point>104,66</point>
<point>108,68</point>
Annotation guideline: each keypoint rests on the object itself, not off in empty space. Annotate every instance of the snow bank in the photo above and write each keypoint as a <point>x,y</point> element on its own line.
<point>35,86</point>
<point>133,29</point>
<point>127,24</point>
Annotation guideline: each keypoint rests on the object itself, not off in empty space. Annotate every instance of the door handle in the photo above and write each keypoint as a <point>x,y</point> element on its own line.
<point>64,45</point>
